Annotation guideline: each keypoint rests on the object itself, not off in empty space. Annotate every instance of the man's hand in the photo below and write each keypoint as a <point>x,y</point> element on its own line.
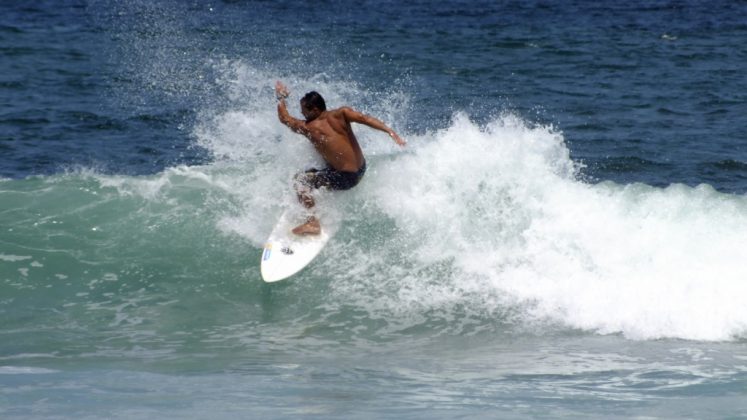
<point>281,92</point>
<point>397,139</point>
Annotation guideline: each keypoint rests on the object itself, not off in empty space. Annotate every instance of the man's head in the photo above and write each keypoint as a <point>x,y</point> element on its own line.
<point>312,104</point>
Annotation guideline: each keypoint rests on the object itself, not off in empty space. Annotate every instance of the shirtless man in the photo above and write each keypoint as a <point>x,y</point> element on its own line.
<point>332,136</point>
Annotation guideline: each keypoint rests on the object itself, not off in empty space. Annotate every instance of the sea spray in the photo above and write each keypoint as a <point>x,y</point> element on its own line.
<point>495,218</point>
<point>245,135</point>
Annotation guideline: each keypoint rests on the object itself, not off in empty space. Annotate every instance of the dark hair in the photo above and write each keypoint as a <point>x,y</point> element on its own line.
<point>314,100</point>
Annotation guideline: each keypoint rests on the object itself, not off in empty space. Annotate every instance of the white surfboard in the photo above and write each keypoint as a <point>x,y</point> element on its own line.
<point>285,253</point>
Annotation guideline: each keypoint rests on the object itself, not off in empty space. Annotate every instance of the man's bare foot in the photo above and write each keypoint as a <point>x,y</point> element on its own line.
<point>311,227</point>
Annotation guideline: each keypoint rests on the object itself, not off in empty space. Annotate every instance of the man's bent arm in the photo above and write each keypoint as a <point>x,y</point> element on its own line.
<point>281,92</point>
<point>355,116</point>
<point>293,123</point>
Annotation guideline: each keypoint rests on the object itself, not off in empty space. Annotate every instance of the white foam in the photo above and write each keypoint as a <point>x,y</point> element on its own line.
<point>489,217</point>
<point>24,370</point>
<point>505,205</point>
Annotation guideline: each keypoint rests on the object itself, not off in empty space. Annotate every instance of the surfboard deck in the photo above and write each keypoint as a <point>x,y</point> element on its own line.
<point>285,253</point>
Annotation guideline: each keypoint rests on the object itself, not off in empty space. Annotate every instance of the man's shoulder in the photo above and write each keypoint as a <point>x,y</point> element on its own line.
<point>338,113</point>
<point>345,112</point>
<point>340,110</point>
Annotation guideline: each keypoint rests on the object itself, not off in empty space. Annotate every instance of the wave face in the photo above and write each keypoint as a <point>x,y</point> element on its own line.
<point>473,227</point>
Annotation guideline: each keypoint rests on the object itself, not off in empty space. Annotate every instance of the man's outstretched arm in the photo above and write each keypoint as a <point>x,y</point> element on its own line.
<point>360,118</point>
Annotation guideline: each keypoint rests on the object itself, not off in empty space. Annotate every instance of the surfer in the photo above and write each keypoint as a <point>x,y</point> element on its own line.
<point>330,133</point>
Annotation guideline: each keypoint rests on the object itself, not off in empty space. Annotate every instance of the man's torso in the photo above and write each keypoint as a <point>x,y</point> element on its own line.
<point>333,138</point>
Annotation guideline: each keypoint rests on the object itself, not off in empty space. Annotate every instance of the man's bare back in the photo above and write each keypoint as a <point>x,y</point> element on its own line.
<point>332,136</point>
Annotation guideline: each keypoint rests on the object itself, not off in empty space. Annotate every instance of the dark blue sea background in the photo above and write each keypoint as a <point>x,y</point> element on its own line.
<point>563,236</point>
<point>650,91</point>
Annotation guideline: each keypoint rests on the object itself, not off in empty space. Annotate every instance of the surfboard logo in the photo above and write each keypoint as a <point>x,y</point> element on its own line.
<point>267,253</point>
<point>286,250</point>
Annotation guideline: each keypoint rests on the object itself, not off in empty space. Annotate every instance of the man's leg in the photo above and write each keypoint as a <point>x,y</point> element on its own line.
<point>303,184</point>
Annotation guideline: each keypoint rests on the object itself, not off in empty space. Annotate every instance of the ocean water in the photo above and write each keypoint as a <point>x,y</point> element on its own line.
<point>564,236</point>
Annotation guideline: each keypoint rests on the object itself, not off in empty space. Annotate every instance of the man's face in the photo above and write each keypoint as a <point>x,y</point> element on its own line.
<point>308,112</point>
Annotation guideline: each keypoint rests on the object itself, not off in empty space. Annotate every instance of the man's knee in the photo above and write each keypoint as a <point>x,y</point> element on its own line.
<point>309,180</point>
<point>302,180</point>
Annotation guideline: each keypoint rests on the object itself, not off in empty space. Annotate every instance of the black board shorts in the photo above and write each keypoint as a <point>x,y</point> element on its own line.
<point>331,178</point>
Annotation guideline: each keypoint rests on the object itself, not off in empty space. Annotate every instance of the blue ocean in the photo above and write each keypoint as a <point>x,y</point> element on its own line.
<point>564,236</point>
